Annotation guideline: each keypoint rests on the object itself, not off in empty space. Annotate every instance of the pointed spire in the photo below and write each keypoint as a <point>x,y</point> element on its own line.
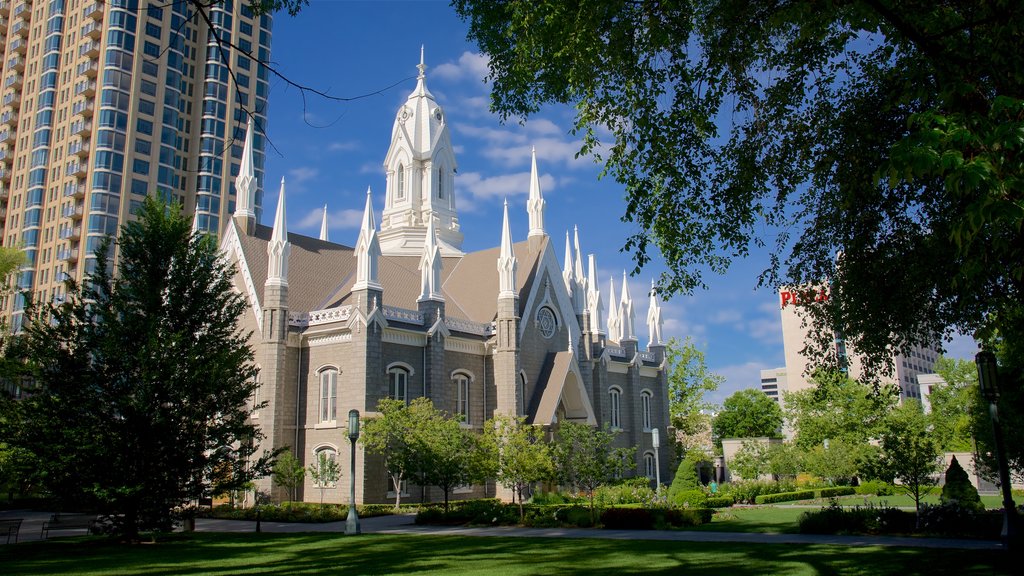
<point>654,322</point>
<point>627,316</point>
<point>594,296</point>
<point>535,205</point>
<point>367,249</point>
<point>430,267</point>
<point>507,262</point>
<point>614,325</point>
<point>567,267</point>
<point>323,226</point>
<point>422,66</point>
<point>245,183</point>
<point>421,78</point>
<point>279,247</point>
<point>578,274</point>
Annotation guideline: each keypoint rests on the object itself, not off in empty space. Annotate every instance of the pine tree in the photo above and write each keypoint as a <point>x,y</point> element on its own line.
<point>958,488</point>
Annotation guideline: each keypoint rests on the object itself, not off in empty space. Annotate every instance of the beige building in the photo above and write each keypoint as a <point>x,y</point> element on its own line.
<point>404,312</point>
<point>103,103</point>
<point>795,335</point>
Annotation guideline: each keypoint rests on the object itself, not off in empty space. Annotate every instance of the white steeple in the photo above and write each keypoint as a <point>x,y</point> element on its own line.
<point>420,166</point>
<point>535,205</point>
<point>567,268</point>
<point>580,294</point>
<point>507,263</point>
<point>654,322</point>
<point>627,317</point>
<point>430,267</point>
<point>614,325</point>
<point>323,226</point>
<point>594,303</point>
<point>245,183</point>
<point>279,247</point>
<point>367,249</point>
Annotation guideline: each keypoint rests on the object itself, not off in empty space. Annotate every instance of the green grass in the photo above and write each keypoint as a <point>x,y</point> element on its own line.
<point>320,553</point>
<point>897,500</point>
<point>767,519</point>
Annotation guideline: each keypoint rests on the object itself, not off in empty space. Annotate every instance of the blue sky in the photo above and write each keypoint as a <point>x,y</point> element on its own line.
<point>329,152</point>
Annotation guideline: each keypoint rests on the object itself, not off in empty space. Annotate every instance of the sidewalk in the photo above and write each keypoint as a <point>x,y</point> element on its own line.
<point>404,524</point>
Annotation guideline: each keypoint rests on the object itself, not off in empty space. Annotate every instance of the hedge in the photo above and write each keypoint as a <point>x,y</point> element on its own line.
<point>836,491</point>
<point>653,518</point>
<point>719,501</point>
<point>784,497</point>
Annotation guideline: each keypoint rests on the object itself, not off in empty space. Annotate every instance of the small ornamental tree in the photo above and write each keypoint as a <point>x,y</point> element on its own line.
<point>289,473</point>
<point>909,454</point>
<point>585,459</point>
<point>446,452</point>
<point>686,489</point>
<point>517,454</point>
<point>958,488</point>
<point>325,473</point>
<point>751,460</point>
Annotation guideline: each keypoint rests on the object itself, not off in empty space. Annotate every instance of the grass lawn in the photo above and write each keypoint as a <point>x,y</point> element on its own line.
<point>205,553</point>
<point>765,519</point>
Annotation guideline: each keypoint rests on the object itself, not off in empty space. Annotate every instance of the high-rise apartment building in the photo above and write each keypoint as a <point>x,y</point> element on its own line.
<point>105,102</point>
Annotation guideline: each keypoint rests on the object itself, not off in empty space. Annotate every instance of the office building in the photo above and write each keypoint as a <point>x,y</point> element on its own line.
<point>103,103</point>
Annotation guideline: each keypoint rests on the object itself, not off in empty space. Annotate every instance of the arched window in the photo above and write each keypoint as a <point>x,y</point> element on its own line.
<point>649,465</point>
<point>440,183</point>
<point>400,190</point>
<point>325,464</point>
<point>328,396</point>
<point>461,380</point>
<point>398,384</point>
<point>645,408</point>
<point>522,390</point>
<point>614,395</point>
<point>257,384</point>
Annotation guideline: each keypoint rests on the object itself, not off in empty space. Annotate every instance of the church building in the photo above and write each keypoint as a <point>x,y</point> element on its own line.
<point>405,312</point>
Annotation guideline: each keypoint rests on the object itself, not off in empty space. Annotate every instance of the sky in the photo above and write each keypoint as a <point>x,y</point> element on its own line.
<point>330,151</point>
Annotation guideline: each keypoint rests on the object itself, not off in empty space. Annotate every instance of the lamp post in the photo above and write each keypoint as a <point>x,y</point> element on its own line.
<point>656,443</point>
<point>988,383</point>
<point>352,522</point>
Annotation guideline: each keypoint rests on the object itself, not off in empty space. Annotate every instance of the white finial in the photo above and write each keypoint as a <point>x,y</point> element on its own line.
<point>627,316</point>
<point>422,66</point>
<point>654,322</point>
<point>323,226</point>
<point>430,266</point>
<point>279,247</point>
<point>580,298</point>
<point>594,296</point>
<point>507,262</point>
<point>245,183</point>
<point>535,205</point>
<point>614,332</point>
<point>567,267</point>
<point>367,249</point>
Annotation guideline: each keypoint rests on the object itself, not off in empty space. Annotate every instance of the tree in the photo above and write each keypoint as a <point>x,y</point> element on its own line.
<point>837,408</point>
<point>585,459</point>
<point>909,453</point>
<point>751,460</point>
<point>392,435</point>
<point>140,386</point>
<point>689,379</point>
<point>1010,403</point>
<point>747,413</point>
<point>952,404</point>
<point>447,452</point>
<point>958,488</point>
<point>783,460</point>
<point>518,455</point>
<point>325,473</point>
<point>288,473</point>
<point>836,463</point>
<point>887,133</point>
<point>686,489</point>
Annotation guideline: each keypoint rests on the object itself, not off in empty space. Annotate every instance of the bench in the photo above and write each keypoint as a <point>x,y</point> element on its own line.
<point>10,527</point>
<point>61,522</point>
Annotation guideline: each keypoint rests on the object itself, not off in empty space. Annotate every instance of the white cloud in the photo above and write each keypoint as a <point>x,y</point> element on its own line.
<point>342,146</point>
<point>469,66</point>
<point>301,175</point>
<point>336,219</point>
<point>726,316</point>
<point>483,188</point>
<point>372,168</point>
<point>737,377</point>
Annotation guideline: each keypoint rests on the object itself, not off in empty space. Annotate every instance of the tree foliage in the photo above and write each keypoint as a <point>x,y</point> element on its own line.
<point>585,458</point>
<point>909,453</point>
<point>953,403</point>
<point>140,385</point>
<point>392,434</point>
<point>889,133</point>
<point>836,463</point>
<point>958,488</point>
<point>748,413</point>
<point>837,408</point>
<point>288,473</point>
<point>689,379</point>
<point>517,455</point>
<point>325,473</point>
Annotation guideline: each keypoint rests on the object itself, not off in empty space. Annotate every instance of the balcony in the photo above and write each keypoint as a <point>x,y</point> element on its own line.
<point>84,108</point>
<point>5,155</point>
<point>76,169</point>
<point>69,232</point>
<point>79,148</point>
<point>94,11</point>
<point>9,117</point>
<point>74,212</point>
<point>6,136</point>
<point>13,81</point>
<point>18,46</point>
<point>21,9</point>
<point>5,174</point>
<point>85,88</point>
<point>19,28</point>
<point>81,127</point>
<point>68,255</point>
<point>92,30</point>
<point>12,99</point>
<point>74,190</point>
<point>90,49</point>
<point>16,63</point>
<point>4,192</point>
<point>89,69</point>
<point>5,8</point>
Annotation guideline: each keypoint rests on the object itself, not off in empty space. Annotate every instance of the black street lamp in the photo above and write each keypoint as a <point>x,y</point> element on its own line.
<point>352,522</point>
<point>988,384</point>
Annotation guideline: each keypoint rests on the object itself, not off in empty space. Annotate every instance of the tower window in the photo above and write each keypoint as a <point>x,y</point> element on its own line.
<point>440,183</point>
<point>401,182</point>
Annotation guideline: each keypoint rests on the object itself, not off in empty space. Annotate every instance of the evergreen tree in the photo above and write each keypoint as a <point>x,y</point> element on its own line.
<point>958,488</point>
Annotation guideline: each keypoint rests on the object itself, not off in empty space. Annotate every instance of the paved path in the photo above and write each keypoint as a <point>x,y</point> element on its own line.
<point>403,524</point>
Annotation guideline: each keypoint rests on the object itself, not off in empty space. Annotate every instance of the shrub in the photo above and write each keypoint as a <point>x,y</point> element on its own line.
<point>834,519</point>
<point>555,498</point>
<point>629,492</point>
<point>719,501</point>
<point>876,487</point>
<point>627,519</point>
<point>688,498</point>
<point>784,497</point>
<point>806,480</point>
<point>679,518</point>
<point>836,491</point>
<point>746,492</point>
<point>958,488</point>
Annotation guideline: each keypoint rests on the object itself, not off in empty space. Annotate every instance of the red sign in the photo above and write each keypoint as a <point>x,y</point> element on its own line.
<point>802,297</point>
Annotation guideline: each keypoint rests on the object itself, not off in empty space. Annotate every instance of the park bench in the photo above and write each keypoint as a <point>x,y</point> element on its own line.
<point>62,522</point>
<point>10,527</point>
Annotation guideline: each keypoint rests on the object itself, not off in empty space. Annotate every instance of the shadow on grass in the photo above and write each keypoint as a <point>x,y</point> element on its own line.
<point>320,553</point>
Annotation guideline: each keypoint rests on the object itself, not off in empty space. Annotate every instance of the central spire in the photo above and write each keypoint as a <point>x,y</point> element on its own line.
<point>420,166</point>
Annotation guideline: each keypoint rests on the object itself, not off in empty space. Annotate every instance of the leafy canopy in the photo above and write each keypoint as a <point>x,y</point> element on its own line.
<point>748,413</point>
<point>837,408</point>
<point>689,379</point>
<point>889,134</point>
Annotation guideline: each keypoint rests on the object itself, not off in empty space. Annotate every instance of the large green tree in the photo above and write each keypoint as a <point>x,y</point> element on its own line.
<point>837,408</point>
<point>747,413</point>
<point>953,403</point>
<point>886,132</point>
<point>517,455</point>
<point>909,453</point>
<point>140,385</point>
<point>392,435</point>
<point>689,379</point>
